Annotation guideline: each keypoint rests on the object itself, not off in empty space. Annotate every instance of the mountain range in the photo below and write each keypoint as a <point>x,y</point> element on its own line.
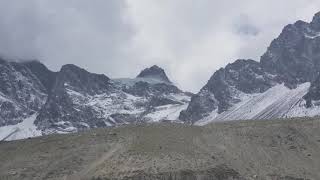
<point>36,101</point>
<point>285,82</point>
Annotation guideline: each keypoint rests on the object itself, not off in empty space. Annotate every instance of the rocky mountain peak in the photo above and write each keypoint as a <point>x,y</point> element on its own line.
<point>293,56</point>
<point>71,67</point>
<point>82,80</point>
<point>154,72</point>
<point>315,24</point>
<point>74,72</point>
<point>292,59</point>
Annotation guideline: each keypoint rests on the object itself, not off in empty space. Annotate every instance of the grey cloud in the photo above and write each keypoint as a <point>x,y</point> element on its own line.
<point>92,34</point>
<point>244,26</point>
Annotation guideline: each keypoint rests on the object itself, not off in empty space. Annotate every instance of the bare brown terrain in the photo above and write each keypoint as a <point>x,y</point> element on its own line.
<point>274,149</point>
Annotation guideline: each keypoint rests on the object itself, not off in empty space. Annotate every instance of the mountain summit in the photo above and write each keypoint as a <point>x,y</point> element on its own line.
<point>283,84</point>
<point>154,72</point>
<point>316,21</point>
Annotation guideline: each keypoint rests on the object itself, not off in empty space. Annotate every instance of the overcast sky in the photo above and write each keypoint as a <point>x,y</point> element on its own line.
<point>189,39</point>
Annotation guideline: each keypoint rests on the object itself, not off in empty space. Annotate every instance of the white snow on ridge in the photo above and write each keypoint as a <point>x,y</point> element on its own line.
<point>23,130</point>
<point>279,101</point>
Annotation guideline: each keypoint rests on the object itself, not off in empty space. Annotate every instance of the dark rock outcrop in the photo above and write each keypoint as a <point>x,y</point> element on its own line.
<point>313,94</point>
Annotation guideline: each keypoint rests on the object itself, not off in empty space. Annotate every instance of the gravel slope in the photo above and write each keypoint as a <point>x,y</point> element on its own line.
<point>274,149</point>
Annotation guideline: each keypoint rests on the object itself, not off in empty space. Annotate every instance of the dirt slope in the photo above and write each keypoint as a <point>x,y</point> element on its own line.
<point>277,149</point>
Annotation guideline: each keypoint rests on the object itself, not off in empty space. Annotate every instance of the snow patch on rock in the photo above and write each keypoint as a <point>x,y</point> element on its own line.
<point>22,130</point>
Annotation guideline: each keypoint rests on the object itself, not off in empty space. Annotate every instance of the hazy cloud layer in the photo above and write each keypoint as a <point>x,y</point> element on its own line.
<point>190,39</point>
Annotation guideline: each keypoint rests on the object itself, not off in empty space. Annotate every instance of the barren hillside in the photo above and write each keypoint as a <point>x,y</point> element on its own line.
<point>276,149</point>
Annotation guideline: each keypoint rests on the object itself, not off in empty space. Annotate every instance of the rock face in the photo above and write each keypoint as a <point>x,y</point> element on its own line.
<point>61,111</point>
<point>21,93</point>
<point>292,59</point>
<point>74,99</point>
<point>294,55</point>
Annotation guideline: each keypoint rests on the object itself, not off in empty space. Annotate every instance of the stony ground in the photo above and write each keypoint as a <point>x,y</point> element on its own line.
<point>274,149</point>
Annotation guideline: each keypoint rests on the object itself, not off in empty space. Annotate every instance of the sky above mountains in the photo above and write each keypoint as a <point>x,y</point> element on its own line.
<point>189,39</point>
